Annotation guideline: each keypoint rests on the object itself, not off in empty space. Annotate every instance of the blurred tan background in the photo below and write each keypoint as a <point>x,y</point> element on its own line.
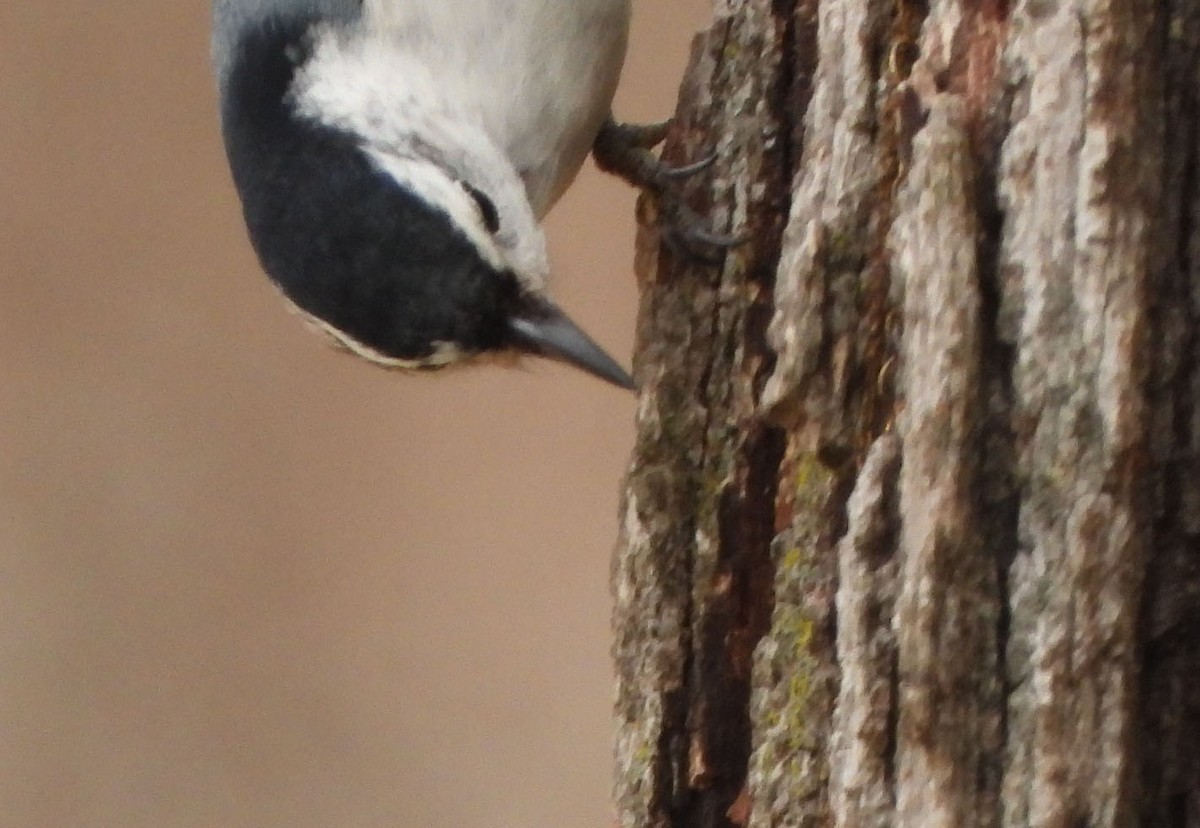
<point>246,580</point>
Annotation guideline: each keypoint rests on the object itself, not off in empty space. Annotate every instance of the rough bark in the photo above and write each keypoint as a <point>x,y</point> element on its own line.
<point>911,533</point>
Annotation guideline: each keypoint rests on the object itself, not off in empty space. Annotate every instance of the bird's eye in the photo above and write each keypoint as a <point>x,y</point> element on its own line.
<point>491,218</point>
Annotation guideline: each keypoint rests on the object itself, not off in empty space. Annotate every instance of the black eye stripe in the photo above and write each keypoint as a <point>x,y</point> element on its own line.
<point>491,218</point>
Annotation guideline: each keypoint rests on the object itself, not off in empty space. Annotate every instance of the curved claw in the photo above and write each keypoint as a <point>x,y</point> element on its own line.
<point>686,235</point>
<point>687,170</point>
<point>623,150</point>
<point>725,241</point>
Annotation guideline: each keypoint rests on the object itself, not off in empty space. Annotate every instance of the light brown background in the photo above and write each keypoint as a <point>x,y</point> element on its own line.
<point>248,581</point>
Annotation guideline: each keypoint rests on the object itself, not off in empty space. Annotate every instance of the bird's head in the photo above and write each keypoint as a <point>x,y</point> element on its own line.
<point>386,217</point>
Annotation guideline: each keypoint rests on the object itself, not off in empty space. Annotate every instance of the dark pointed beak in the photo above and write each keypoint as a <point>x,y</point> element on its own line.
<point>543,329</point>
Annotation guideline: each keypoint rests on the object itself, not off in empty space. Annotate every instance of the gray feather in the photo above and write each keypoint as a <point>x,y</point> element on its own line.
<point>230,18</point>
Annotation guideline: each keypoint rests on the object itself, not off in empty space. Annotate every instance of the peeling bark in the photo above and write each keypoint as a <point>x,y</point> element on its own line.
<point>911,533</point>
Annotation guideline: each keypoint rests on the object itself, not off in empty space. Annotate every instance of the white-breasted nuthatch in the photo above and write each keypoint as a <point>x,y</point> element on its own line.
<point>394,159</point>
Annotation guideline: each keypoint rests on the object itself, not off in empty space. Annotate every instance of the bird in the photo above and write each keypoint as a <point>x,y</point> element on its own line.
<point>395,159</point>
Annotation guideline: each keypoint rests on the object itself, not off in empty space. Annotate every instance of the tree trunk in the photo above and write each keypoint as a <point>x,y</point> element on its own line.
<point>911,534</point>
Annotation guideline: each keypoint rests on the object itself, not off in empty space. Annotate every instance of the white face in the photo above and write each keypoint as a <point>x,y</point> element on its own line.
<point>363,83</point>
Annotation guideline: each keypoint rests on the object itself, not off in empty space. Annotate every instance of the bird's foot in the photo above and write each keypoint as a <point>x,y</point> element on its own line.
<point>624,151</point>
